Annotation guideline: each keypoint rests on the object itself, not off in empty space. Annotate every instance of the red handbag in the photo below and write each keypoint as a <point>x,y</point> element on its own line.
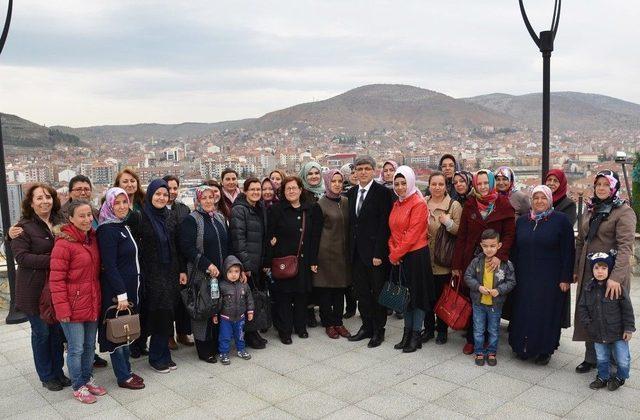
<point>283,268</point>
<point>453,307</point>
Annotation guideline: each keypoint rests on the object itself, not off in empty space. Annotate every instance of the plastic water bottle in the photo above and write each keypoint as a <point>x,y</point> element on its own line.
<point>215,291</point>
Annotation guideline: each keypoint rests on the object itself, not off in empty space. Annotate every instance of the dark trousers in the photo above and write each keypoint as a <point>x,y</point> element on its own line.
<point>350,297</point>
<point>140,343</point>
<point>183,321</point>
<point>331,301</point>
<point>431,321</point>
<point>159,353</point>
<point>48,351</point>
<point>368,282</point>
<point>291,311</point>
<point>209,347</point>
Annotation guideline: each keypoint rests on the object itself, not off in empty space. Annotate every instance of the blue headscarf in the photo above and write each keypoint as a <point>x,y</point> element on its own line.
<point>158,218</point>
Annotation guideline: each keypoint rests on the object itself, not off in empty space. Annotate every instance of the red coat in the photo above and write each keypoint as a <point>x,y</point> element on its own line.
<point>502,219</point>
<point>408,222</point>
<point>74,278</point>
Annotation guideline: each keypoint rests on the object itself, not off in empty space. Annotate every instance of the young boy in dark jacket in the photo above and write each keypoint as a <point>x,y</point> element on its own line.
<point>610,323</point>
<point>488,289</point>
<point>237,302</point>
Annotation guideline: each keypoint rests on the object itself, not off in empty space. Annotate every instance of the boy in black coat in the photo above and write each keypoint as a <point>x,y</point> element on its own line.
<point>610,323</point>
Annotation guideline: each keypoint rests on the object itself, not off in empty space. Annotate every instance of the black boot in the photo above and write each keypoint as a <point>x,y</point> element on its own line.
<point>376,339</point>
<point>426,335</point>
<point>252,341</point>
<point>415,342</point>
<point>312,322</point>
<point>406,334</point>
<point>261,338</point>
<point>442,337</point>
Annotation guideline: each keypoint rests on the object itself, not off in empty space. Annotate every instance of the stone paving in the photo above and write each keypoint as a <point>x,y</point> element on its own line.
<point>323,378</point>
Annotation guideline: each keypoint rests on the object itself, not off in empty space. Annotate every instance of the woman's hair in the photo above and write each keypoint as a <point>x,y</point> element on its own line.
<point>27,210</point>
<point>249,181</point>
<point>298,181</point>
<point>282,174</point>
<point>228,171</point>
<point>435,174</point>
<point>74,204</point>
<point>138,196</point>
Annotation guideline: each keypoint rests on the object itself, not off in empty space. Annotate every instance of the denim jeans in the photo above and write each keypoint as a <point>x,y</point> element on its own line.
<point>230,329</point>
<point>413,319</point>
<point>120,363</point>
<point>486,318</point>
<point>81,345</point>
<point>159,353</point>
<point>48,351</point>
<point>620,350</point>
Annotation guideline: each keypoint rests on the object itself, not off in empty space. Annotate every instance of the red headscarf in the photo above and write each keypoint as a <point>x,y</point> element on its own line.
<point>561,192</point>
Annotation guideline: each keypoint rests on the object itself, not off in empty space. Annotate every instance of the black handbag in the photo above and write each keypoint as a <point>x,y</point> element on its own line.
<point>261,313</point>
<point>196,296</point>
<point>393,294</point>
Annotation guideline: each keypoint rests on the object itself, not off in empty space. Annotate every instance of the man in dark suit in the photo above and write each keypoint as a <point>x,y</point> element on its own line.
<point>369,208</point>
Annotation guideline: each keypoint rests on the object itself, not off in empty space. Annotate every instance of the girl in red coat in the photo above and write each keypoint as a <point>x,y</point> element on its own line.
<point>75,292</point>
<point>484,209</point>
<point>409,253</point>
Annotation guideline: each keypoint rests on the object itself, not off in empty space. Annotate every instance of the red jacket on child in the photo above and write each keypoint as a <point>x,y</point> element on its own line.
<point>74,278</point>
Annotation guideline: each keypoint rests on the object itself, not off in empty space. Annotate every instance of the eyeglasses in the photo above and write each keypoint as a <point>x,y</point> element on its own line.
<point>291,189</point>
<point>85,189</point>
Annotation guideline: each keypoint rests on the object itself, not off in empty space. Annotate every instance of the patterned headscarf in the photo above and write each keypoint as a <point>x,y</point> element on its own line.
<point>199,192</point>
<point>317,190</point>
<point>507,172</point>
<point>381,177</point>
<point>275,198</point>
<point>327,177</point>
<point>487,202</point>
<point>547,192</point>
<point>107,215</point>
<point>468,179</point>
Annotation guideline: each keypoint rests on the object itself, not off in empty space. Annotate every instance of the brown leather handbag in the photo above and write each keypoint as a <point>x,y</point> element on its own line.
<point>122,329</point>
<point>284,268</point>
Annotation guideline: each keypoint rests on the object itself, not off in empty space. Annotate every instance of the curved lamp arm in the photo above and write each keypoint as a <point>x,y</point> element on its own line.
<point>7,23</point>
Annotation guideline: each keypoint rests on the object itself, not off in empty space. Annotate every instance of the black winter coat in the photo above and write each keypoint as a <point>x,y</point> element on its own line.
<point>247,228</point>
<point>160,279</point>
<point>568,207</point>
<point>285,224</point>
<point>605,319</point>
<point>180,210</point>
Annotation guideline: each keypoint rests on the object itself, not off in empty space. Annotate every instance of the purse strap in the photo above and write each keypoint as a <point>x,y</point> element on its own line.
<point>400,275</point>
<point>104,321</point>
<point>450,205</point>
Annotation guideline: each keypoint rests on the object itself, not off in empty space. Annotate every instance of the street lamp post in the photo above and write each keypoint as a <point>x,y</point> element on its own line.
<point>14,316</point>
<point>545,44</point>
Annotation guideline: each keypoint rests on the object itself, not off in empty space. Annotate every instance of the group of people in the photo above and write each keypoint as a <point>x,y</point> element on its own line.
<point>272,250</point>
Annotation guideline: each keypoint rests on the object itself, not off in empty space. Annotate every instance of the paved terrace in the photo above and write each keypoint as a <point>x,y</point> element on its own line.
<point>324,378</point>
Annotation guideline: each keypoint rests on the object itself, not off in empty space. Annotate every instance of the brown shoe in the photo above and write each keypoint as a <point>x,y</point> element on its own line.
<point>185,340</point>
<point>172,344</point>
<point>131,384</point>
<point>340,329</point>
<point>332,333</point>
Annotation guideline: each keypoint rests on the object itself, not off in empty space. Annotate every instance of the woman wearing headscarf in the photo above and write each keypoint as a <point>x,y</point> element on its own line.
<point>311,176</point>
<point>332,275</point>
<point>462,184</point>
<point>448,166</point>
<point>484,209</point>
<point>543,257</point>
<point>162,271</point>
<point>506,186</point>
<point>119,280</point>
<point>609,223</point>
<point>269,193</point>
<point>409,254</point>
<point>387,172</point>
<point>205,243</point>
<point>556,180</point>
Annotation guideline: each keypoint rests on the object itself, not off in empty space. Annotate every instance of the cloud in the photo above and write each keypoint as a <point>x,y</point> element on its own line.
<point>78,63</point>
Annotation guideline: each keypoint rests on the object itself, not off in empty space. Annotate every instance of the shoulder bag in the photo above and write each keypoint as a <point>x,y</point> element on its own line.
<point>444,244</point>
<point>122,329</point>
<point>453,307</point>
<point>394,295</point>
<point>283,268</point>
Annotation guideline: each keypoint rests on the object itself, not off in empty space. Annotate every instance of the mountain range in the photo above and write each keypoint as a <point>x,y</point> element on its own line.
<point>368,108</point>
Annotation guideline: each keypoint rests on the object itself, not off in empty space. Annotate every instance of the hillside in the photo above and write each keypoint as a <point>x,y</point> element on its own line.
<point>569,110</point>
<point>17,131</point>
<point>386,107</point>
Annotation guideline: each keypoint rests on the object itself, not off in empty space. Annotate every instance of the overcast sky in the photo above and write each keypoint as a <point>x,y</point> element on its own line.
<point>80,62</point>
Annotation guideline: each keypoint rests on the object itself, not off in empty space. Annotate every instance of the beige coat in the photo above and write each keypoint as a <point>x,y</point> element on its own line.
<point>435,210</point>
<point>615,232</point>
<point>333,251</point>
